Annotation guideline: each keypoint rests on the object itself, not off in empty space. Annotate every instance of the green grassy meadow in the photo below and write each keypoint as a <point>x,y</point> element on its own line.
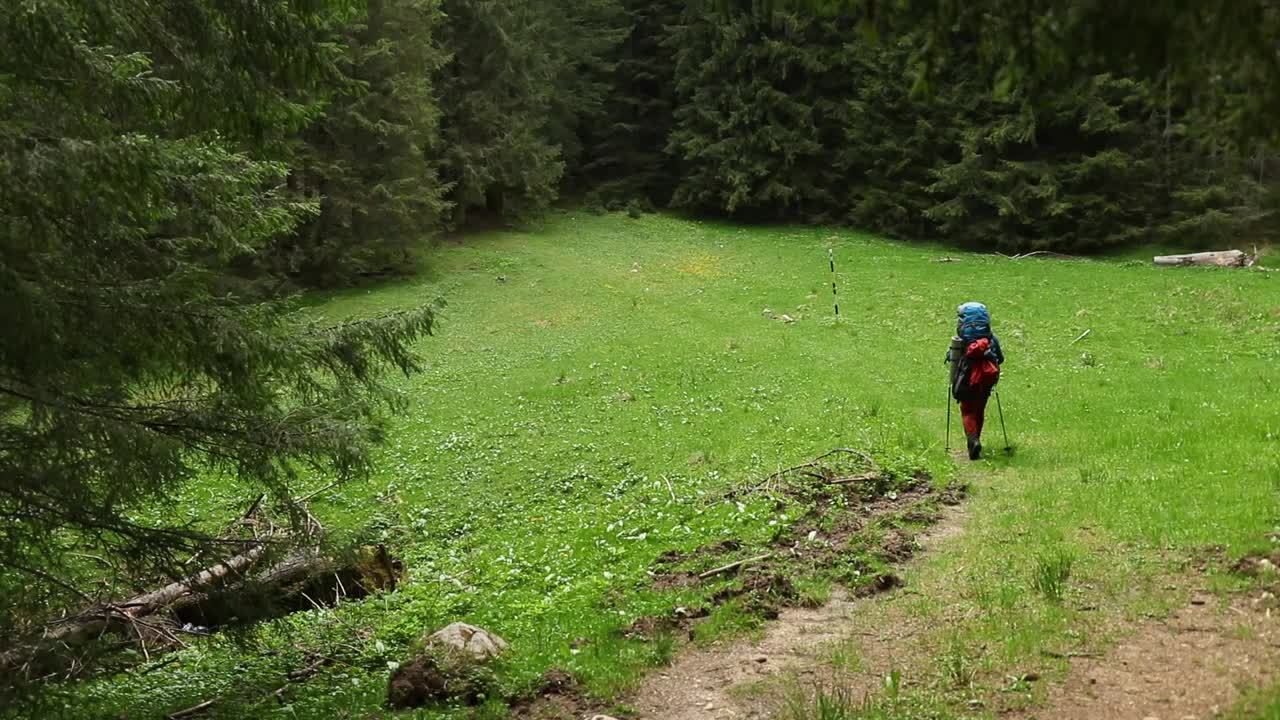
<point>597,382</point>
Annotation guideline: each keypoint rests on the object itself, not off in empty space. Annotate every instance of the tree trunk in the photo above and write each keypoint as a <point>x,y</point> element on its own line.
<point>1225,258</point>
<point>95,620</point>
<point>301,580</point>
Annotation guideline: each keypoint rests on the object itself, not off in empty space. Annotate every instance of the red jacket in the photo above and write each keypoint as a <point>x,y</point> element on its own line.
<point>983,371</point>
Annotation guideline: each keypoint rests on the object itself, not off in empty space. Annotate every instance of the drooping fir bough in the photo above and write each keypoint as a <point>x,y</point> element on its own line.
<point>141,159</point>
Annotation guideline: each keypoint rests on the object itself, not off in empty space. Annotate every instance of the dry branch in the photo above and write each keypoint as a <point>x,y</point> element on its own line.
<point>1039,253</point>
<point>806,468</point>
<point>194,709</point>
<point>817,462</point>
<point>734,565</point>
<point>866,477</point>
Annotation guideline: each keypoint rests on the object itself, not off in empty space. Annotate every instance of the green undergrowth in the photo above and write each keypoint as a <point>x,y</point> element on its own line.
<point>599,385</point>
<point>1262,704</point>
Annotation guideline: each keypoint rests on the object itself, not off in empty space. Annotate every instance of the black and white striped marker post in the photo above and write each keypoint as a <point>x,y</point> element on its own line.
<point>831,258</point>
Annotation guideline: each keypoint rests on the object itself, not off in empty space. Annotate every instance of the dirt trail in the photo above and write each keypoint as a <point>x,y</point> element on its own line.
<point>1191,665</point>
<point>740,680</point>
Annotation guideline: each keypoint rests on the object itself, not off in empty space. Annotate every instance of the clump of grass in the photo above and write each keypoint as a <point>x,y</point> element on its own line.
<point>1051,572</point>
<point>827,703</point>
<point>728,619</point>
<point>838,702</point>
<point>814,591</point>
<point>664,649</point>
<point>957,667</point>
<point>847,655</point>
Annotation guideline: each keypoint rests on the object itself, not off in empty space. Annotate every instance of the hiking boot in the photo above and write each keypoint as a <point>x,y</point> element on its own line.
<point>975,447</point>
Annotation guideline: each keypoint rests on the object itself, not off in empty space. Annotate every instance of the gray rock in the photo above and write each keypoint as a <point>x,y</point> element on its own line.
<point>475,641</point>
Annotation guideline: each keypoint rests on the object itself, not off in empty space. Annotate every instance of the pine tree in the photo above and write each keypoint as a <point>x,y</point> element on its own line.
<point>369,159</point>
<point>132,171</point>
<point>759,102</point>
<point>496,95</point>
<point>626,161</point>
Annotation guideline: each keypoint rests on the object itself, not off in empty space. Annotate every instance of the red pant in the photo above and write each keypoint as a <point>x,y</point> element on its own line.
<point>974,412</point>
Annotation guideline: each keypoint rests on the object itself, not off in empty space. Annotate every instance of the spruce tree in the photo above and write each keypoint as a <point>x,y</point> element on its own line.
<point>135,146</point>
<point>759,103</point>
<point>626,160</point>
<point>369,159</point>
<point>496,95</point>
<point>1085,172</point>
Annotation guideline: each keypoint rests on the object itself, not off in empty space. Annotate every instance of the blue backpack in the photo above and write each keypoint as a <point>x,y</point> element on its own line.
<point>973,322</point>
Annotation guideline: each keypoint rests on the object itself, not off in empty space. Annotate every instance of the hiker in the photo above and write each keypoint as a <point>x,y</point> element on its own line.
<point>975,358</point>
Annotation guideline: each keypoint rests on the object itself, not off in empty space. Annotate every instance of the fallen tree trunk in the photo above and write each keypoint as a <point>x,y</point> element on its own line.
<point>1224,258</point>
<point>149,603</point>
<point>301,580</point>
<point>96,620</point>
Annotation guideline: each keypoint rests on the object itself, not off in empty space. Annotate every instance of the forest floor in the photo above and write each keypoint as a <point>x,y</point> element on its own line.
<point>604,406</point>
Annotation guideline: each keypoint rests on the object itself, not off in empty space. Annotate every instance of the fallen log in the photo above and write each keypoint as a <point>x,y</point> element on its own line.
<point>230,591</point>
<point>1223,258</point>
<point>201,599</point>
<point>149,603</point>
<point>97,620</point>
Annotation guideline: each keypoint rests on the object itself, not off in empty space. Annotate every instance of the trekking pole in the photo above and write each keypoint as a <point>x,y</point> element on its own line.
<point>1007,446</point>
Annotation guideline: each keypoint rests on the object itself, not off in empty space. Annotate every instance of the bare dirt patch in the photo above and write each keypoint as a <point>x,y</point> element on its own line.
<point>699,684</point>
<point>742,679</point>
<point>558,697</point>
<point>1193,664</point>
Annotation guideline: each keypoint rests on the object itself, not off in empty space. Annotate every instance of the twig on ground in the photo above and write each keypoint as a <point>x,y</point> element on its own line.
<point>856,478</point>
<point>1039,253</point>
<point>161,665</point>
<point>671,490</point>
<point>772,478</point>
<point>296,676</point>
<point>1068,655</point>
<point>734,566</point>
<point>244,518</point>
<point>339,591</point>
<point>194,709</point>
<point>817,462</point>
<point>142,641</point>
<point>1083,335</point>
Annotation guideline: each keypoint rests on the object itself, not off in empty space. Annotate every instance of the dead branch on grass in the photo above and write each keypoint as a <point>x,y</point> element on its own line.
<point>734,565</point>
<point>806,468</point>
